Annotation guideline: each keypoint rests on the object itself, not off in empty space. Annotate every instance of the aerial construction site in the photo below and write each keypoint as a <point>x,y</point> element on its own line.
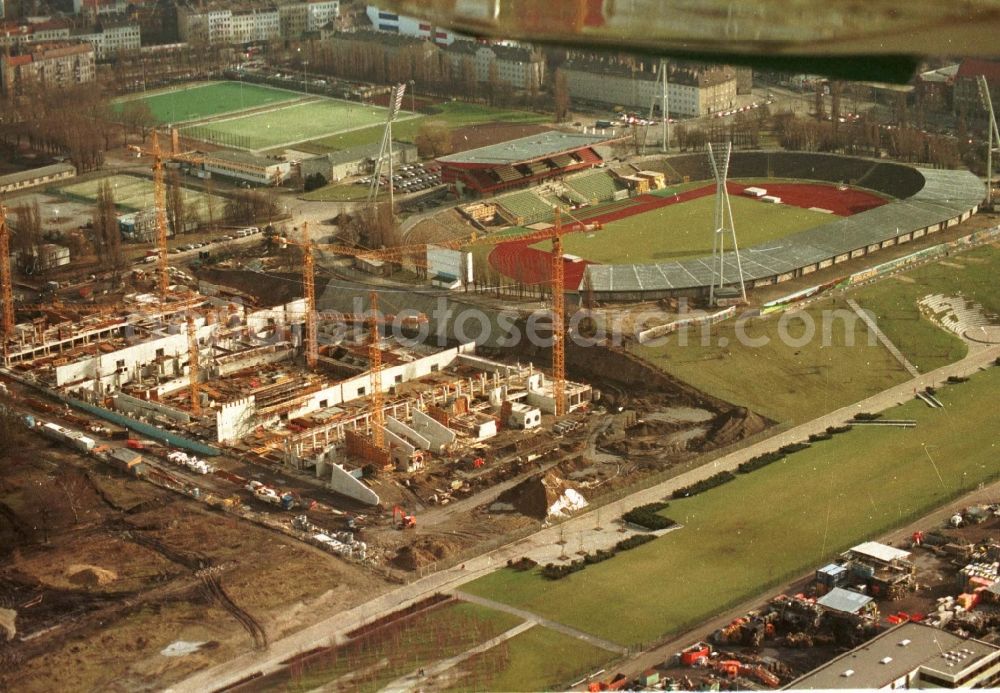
<point>300,389</point>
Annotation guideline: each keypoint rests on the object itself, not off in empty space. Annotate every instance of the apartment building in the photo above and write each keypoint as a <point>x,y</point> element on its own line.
<point>223,23</point>
<point>54,65</point>
<point>519,66</point>
<point>692,90</point>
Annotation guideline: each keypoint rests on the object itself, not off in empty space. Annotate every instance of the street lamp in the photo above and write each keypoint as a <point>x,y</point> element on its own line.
<point>413,98</point>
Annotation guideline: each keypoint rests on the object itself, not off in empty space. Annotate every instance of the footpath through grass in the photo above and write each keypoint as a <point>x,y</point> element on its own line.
<point>783,379</point>
<point>748,535</point>
<point>204,100</point>
<point>972,274</point>
<point>538,659</point>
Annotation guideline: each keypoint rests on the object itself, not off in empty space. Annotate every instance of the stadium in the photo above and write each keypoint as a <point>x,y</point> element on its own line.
<point>795,213</point>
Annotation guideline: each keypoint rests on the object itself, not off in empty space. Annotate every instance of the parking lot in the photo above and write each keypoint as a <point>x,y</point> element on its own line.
<point>410,178</point>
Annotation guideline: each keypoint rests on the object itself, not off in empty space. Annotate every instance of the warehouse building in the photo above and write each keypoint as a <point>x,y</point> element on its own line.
<point>911,655</point>
<point>36,176</point>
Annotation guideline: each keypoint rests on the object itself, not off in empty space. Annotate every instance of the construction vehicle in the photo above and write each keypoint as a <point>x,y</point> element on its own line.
<point>618,683</point>
<point>696,655</point>
<point>266,494</point>
<point>405,521</point>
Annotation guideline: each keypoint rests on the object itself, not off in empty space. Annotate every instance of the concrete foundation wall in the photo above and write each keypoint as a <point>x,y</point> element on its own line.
<point>233,420</point>
<point>140,407</point>
<point>342,482</point>
<point>438,435</point>
<point>407,433</point>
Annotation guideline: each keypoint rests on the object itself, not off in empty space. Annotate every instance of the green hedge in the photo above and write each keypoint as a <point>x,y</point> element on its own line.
<point>704,485</point>
<point>646,516</point>
<point>553,571</point>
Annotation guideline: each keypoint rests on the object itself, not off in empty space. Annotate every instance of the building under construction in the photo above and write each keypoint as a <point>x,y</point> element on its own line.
<point>235,377</point>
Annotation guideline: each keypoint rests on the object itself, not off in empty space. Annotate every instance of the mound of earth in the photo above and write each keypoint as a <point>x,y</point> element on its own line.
<point>735,425</point>
<point>90,575</point>
<point>537,495</point>
<point>423,552</point>
<point>8,627</point>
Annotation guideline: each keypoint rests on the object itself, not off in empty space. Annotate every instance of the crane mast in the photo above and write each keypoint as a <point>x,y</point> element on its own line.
<point>375,364</point>
<point>558,319</point>
<point>6,282</point>
<point>309,282</point>
<point>193,370</point>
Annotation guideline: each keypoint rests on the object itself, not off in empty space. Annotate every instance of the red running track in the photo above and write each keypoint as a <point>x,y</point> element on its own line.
<point>519,261</point>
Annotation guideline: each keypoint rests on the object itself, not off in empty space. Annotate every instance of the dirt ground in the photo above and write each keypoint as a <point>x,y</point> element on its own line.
<point>169,571</point>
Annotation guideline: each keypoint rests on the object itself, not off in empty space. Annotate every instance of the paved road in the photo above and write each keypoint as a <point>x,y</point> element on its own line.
<point>332,629</point>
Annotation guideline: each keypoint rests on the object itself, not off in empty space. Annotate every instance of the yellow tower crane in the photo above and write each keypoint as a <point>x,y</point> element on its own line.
<point>375,366</point>
<point>160,200</point>
<point>193,370</point>
<point>6,281</point>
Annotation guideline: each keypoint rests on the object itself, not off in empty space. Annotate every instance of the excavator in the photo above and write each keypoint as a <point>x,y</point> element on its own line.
<point>406,520</point>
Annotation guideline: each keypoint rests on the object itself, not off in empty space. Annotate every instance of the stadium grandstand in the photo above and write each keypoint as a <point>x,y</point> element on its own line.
<point>520,163</point>
<point>925,201</point>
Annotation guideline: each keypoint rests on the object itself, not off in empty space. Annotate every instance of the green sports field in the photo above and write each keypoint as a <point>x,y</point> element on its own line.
<point>685,230</point>
<point>763,528</point>
<point>298,122</point>
<point>133,194</point>
<point>206,100</point>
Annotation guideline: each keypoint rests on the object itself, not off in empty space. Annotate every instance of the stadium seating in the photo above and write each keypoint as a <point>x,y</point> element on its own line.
<point>562,161</point>
<point>598,186</point>
<point>524,207</point>
<point>508,174</point>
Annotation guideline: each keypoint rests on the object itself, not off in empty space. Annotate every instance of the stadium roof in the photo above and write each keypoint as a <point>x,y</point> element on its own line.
<point>524,149</point>
<point>35,173</point>
<point>894,654</point>
<point>945,195</point>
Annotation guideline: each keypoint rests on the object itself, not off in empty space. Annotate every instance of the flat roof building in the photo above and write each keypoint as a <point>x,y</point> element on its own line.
<point>911,655</point>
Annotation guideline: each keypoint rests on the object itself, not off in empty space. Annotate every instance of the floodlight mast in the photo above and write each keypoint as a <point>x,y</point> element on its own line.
<point>993,143</point>
<point>719,158</point>
<point>385,149</point>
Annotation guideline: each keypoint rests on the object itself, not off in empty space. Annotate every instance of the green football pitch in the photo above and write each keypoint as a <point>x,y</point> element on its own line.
<point>289,124</point>
<point>685,229</point>
<point>200,101</point>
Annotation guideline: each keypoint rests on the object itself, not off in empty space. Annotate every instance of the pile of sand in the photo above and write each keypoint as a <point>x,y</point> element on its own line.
<point>8,627</point>
<point>423,552</point>
<point>735,425</point>
<point>87,575</point>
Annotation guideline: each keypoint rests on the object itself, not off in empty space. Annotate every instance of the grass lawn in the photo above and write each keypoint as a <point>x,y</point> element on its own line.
<point>782,380</point>
<point>894,302</point>
<point>455,113</point>
<point>388,654</point>
<point>289,124</point>
<point>205,100</point>
<point>765,527</point>
<point>342,193</point>
<point>536,660</point>
<point>686,230</point>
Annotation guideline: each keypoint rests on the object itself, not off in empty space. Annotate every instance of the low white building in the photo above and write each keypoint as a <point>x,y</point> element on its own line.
<point>247,167</point>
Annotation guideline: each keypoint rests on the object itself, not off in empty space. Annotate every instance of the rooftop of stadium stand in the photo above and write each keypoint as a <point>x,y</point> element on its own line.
<point>524,149</point>
<point>932,197</point>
